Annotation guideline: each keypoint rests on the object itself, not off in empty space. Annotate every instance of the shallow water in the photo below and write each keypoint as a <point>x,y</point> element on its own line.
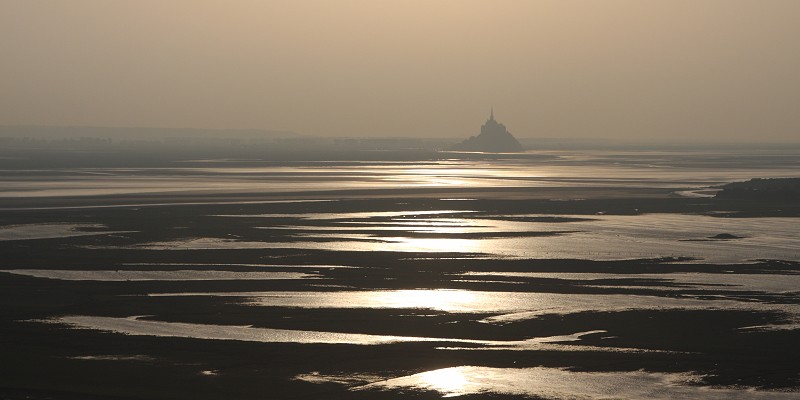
<point>350,215</point>
<point>538,169</point>
<point>507,306</point>
<point>179,275</point>
<point>366,262</point>
<point>553,383</point>
<point>51,231</point>
<point>140,327</point>
<point>769,283</point>
<point>218,265</point>
<point>605,237</point>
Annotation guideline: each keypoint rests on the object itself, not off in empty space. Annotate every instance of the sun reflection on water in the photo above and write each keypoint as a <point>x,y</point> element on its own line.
<point>438,299</point>
<point>555,383</point>
<point>450,382</point>
<point>435,245</point>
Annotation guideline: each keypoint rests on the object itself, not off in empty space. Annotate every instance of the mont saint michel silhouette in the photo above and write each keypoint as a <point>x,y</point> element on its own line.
<point>494,137</point>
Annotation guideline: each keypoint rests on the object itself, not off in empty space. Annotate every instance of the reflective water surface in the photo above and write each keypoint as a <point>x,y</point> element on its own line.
<point>553,383</point>
<point>603,237</point>
<point>141,327</point>
<point>542,169</point>
<point>508,306</point>
<point>49,231</point>
<point>772,283</point>
<point>179,275</point>
<point>411,279</point>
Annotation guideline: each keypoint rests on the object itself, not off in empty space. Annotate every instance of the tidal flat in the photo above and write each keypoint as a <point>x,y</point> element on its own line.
<point>534,276</point>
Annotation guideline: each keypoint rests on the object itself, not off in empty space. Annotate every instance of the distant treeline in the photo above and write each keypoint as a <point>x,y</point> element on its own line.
<point>762,189</point>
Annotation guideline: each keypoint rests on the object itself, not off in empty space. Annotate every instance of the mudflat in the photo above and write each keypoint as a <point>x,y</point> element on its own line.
<point>399,292</point>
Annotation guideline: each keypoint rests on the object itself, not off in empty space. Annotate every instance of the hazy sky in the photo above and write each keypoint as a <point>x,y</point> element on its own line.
<point>673,69</point>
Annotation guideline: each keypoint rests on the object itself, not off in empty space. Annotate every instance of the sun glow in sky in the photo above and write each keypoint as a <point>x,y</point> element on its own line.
<point>712,69</point>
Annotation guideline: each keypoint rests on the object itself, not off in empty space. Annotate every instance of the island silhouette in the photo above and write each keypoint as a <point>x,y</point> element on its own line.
<point>494,138</point>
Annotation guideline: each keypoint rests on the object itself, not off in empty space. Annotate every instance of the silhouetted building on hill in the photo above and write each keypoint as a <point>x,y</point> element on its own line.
<point>494,138</point>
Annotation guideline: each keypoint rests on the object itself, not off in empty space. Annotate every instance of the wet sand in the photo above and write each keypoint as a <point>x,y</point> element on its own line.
<point>734,347</point>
